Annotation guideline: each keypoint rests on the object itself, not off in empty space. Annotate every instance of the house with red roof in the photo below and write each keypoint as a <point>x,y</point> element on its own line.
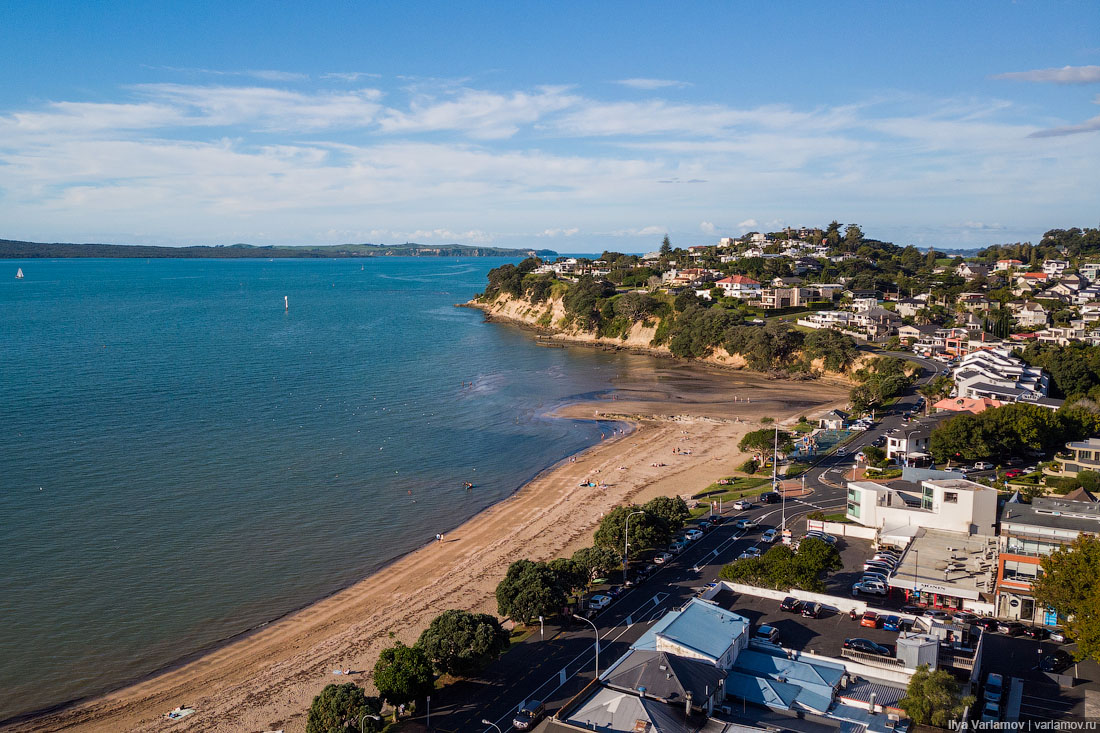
<point>739,286</point>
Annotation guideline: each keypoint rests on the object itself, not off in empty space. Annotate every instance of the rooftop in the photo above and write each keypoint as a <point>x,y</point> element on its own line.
<point>1049,512</point>
<point>947,562</point>
<point>700,626</point>
<point>665,676</point>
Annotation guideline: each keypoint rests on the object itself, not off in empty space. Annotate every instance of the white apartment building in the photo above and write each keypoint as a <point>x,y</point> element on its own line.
<point>1054,268</point>
<point>953,505</point>
<point>996,373</point>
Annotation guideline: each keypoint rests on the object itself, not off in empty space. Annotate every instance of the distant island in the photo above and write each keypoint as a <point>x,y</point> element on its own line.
<point>12,249</point>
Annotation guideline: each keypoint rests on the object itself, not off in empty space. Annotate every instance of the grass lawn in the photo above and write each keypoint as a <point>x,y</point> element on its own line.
<point>839,517</point>
<point>742,487</point>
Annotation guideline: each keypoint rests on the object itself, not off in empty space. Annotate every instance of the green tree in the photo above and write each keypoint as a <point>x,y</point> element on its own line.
<point>874,454</point>
<point>673,509</point>
<point>646,530</point>
<point>529,590</point>
<point>635,306</point>
<point>1070,584</point>
<point>572,576</point>
<point>403,674</point>
<point>666,247</point>
<point>961,438</point>
<point>597,561</point>
<point>461,643</point>
<point>340,708</point>
<point>763,440</point>
<point>934,698</point>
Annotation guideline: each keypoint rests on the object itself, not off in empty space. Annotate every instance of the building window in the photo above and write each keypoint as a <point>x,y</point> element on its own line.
<point>950,497</point>
<point>853,510</point>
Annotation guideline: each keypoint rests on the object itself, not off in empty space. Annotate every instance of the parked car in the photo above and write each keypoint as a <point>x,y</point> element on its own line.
<point>749,553</point>
<point>822,536</point>
<point>991,713</point>
<point>867,647</point>
<point>769,536</point>
<point>1037,632</point>
<point>1013,473</point>
<point>875,577</point>
<point>986,624</point>
<point>982,466</point>
<point>791,604</point>
<point>963,617</point>
<point>810,609</point>
<point>598,603</point>
<point>614,591</point>
<point>677,545</point>
<point>870,587</point>
<point>1011,628</point>
<point>870,620</point>
<point>878,567</point>
<point>742,504</point>
<point>693,534</point>
<point>1057,662</point>
<point>769,634</point>
<point>662,558</point>
<point>717,520</point>
<point>746,524</point>
<point>892,623</point>
<point>529,715</point>
<point>1058,635</point>
<point>994,688</point>
<point>770,497</point>
<point>912,610</point>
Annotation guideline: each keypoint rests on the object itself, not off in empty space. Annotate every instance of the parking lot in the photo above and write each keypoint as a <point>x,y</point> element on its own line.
<point>823,635</point>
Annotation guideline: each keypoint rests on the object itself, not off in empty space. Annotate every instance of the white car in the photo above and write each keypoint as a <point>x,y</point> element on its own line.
<point>841,452</point>
<point>871,587</point>
<point>693,534</point>
<point>598,603</point>
<point>749,553</point>
<point>742,504</point>
<point>662,558</point>
<point>769,536</point>
<point>982,466</point>
<point>746,524</point>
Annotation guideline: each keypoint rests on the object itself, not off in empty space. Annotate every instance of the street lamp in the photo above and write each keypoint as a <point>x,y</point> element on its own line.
<point>596,629</point>
<point>489,722</point>
<point>363,719</point>
<point>626,543</point>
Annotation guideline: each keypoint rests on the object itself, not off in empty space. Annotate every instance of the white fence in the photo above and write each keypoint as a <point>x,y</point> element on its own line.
<point>843,529</point>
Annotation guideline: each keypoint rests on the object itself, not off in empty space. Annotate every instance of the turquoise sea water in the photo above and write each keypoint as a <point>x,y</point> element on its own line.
<point>182,459</point>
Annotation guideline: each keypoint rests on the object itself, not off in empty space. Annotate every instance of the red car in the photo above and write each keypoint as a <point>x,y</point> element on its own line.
<point>1013,473</point>
<point>870,620</point>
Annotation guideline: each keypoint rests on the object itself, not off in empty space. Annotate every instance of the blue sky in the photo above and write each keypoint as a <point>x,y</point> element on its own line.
<point>572,126</point>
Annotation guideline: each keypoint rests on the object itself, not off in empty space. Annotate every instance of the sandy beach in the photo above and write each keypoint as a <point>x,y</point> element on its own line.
<point>266,680</point>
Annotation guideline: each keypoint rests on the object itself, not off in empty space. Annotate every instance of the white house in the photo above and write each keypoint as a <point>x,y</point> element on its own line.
<point>1032,315</point>
<point>954,505</point>
<point>1054,268</point>
<point>739,286</point>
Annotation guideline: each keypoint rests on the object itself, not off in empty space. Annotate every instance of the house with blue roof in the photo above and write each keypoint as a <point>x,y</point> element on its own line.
<point>699,630</point>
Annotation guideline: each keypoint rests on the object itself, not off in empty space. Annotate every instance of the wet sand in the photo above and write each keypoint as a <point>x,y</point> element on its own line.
<point>266,680</point>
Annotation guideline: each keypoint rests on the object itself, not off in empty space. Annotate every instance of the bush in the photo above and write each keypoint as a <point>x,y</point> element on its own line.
<point>461,643</point>
<point>750,467</point>
<point>339,709</point>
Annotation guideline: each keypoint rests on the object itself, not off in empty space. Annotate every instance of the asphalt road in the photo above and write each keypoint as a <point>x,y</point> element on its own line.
<point>554,665</point>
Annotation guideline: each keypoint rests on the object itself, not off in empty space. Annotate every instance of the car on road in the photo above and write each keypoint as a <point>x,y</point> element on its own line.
<point>870,620</point>
<point>749,553</point>
<point>1056,662</point>
<point>769,634</point>
<point>614,591</point>
<point>529,715</point>
<point>746,524</point>
<point>770,497</point>
<point>1010,628</point>
<point>600,602</point>
<point>791,604</point>
<point>982,466</point>
<point>742,504</point>
<point>770,535</point>
<point>812,609</point>
<point>867,647</point>
<point>1013,473</point>
<point>662,558</point>
<point>841,452</point>
<point>693,534</point>
<point>1038,633</point>
<point>870,587</point>
<point>704,526</point>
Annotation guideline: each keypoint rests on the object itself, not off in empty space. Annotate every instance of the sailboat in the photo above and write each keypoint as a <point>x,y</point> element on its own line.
<point>19,274</point>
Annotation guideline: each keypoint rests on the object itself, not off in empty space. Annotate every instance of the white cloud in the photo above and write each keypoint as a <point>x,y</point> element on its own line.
<point>483,115</point>
<point>747,224</point>
<point>558,232</point>
<point>1090,125</point>
<point>350,75</point>
<point>649,231</point>
<point>1064,75</point>
<point>980,226</point>
<point>651,84</point>
<point>708,227</point>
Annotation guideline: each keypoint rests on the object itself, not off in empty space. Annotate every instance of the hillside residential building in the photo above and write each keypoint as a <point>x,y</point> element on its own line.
<point>970,270</point>
<point>997,374</point>
<point>1007,265</point>
<point>1090,270</point>
<point>1082,455</point>
<point>954,505</point>
<point>965,404</point>
<point>1030,532</point>
<point>1032,315</point>
<point>739,286</point>
<point>1054,268</point>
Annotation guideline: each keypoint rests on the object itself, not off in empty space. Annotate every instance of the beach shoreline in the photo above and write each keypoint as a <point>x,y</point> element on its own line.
<point>265,678</point>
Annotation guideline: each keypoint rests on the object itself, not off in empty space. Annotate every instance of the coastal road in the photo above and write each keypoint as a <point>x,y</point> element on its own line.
<point>555,664</point>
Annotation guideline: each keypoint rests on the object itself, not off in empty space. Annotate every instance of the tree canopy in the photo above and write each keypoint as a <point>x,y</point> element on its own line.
<point>529,590</point>
<point>597,561</point>
<point>403,674</point>
<point>782,568</point>
<point>673,509</point>
<point>341,708</point>
<point>647,530</point>
<point>461,643</point>
<point>1070,584</point>
<point>764,440</point>
<point>1006,431</point>
<point>934,698</point>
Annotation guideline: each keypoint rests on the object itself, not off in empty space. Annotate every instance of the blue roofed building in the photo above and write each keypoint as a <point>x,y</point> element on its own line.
<point>699,630</point>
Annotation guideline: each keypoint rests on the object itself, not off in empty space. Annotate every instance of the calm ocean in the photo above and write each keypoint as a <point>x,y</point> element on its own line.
<point>182,459</point>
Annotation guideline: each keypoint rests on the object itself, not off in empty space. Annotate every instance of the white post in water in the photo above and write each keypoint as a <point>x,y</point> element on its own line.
<point>286,302</point>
